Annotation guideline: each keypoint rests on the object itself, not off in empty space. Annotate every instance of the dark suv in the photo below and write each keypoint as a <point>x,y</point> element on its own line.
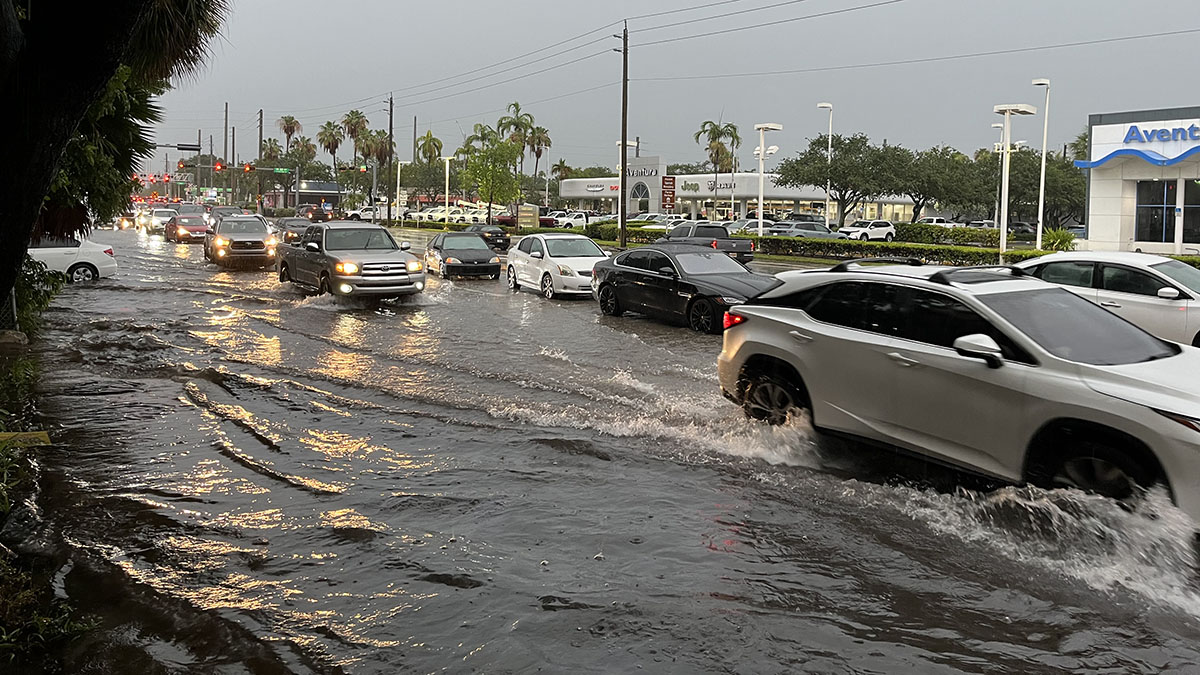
<point>314,213</point>
<point>495,236</point>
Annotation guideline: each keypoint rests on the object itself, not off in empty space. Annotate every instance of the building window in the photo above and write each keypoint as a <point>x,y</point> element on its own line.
<point>1191,212</point>
<point>1155,216</point>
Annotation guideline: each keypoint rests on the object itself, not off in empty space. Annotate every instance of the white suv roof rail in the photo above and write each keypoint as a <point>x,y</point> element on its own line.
<point>845,266</point>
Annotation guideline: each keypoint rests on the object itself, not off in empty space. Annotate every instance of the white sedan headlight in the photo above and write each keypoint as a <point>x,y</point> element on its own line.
<point>565,271</point>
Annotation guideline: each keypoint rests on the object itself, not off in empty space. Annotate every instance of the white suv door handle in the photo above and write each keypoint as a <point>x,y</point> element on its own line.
<point>903,360</point>
<point>1109,303</point>
<point>800,337</point>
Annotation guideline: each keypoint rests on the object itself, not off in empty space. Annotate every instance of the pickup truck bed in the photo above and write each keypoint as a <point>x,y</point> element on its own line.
<point>712,236</point>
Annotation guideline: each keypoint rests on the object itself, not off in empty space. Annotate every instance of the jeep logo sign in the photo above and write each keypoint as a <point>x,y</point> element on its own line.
<point>690,187</point>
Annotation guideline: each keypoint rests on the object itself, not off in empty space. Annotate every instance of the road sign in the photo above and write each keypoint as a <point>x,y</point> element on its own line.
<point>527,217</point>
<point>280,169</point>
<point>668,199</point>
<point>668,183</point>
<point>187,147</point>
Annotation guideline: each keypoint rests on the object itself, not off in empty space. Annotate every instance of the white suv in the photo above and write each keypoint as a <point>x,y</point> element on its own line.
<point>987,369</point>
<point>554,264</point>
<point>877,230</point>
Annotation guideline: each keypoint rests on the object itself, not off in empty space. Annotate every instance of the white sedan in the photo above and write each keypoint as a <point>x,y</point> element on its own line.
<point>80,260</point>
<point>1156,293</point>
<point>875,230</point>
<point>554,263</point>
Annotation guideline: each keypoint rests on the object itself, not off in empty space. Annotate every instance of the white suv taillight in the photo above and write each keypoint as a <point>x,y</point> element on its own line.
<point>732,320</point>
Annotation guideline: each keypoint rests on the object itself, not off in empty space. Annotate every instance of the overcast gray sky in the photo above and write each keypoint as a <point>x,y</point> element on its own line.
<point>317,59</point>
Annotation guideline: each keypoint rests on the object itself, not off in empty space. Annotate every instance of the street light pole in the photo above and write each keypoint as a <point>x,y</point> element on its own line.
<point>400,164</point>
<point>828,159</point>
<point>1043,82</point>
<point>446,215</point>
<point>762,151</point>
<point>999,147</point>
<point>1008,111</point>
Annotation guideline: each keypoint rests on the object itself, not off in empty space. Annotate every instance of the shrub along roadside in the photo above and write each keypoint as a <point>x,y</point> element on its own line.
<point>921,233</point>
<point>848,249</point>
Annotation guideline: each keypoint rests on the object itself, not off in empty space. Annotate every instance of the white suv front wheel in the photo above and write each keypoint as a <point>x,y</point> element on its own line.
<point>772,399</point>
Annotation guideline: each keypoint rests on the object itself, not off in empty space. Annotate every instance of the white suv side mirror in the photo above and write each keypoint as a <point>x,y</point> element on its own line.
<point>1168,293</point>
<point>980,346</point>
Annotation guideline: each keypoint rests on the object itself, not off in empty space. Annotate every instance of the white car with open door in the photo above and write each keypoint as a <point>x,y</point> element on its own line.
<point>1158,294</point>
<point>79,259</point>
<point>554,264</point>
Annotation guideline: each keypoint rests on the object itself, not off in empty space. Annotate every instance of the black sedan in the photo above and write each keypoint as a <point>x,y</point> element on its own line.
<point>495,236</point>
<point>461,254</point>
<point>680,282</point>
<point>291,228</point>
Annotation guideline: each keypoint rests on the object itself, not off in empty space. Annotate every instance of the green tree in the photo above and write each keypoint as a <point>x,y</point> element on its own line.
<point>354,123</point>
<point>538,142</point>
<point>46,96</point>
<point>429,147</point>
<point>330,137</point>
<point>491,173</point>
<point>1078,148</point>
<point>686,168</point>
<point>858,172</point>
<point>714,135</point>
<point>560,170</point>
<point>928,176</point>
<point>290,126</point>
<point>516,125</point>
<point>271,150</point>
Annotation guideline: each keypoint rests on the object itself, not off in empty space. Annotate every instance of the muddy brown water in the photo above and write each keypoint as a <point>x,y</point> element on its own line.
<point>247,480</point>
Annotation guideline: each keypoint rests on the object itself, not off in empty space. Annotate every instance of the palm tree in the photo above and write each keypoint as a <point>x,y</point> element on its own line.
<point>714,135</point>
<point>305,149</point>
<point>355,124</point>
<point>290,126</point>
<point>560,170</point>
<point>430,147</point>
<point>538,142</point>
<point>271,149</point>
<point>330,136</point>
<point>382,147</point>
<point>517,125</point>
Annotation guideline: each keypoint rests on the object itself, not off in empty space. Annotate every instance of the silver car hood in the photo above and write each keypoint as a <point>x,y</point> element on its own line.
<point>1170,384</point>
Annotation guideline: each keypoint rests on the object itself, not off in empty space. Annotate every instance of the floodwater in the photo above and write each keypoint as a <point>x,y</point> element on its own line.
<point>247,480</point>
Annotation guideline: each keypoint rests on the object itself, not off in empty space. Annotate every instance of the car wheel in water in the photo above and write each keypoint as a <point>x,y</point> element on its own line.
<point>547,287</point>
<point>324,289</point>
<point>513,284</point>
<point>701,316</point>
<point>1099,468</point>
<point>609,303</point>
<point>772,399</point>
<point>82,273</point>
<point>284,277</point>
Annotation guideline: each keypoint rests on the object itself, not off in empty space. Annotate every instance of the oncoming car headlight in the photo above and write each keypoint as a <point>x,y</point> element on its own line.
<point>452,261</point>
<point>220,241</point>
<point>346,268</point>
<point>415,266</point>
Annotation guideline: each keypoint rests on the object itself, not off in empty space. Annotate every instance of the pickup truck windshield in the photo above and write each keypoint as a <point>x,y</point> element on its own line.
<point>715,231</point>
<point>573,248</point>
<point>359,239</point>
<point>247,226</point>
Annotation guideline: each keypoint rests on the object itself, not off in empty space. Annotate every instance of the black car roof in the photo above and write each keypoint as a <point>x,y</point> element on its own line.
<point>676,249</point>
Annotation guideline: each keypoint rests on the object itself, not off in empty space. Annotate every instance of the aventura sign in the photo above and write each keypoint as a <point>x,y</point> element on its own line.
<point>644,171</point>
<point>1137,135</point>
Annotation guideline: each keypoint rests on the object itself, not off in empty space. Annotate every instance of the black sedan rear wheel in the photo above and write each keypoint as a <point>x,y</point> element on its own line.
<point>702,316</point>
<point>609,303</point>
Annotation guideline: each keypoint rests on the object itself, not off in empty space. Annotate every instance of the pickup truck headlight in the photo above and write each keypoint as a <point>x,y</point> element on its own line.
<point>346,268</point>
<point>220,241</point>
<point>415,266</point>
<point>272,241</point>
<point>565,271</point>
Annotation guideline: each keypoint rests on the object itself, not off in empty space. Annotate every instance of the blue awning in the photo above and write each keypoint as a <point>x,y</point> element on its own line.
<point>1149,156</point>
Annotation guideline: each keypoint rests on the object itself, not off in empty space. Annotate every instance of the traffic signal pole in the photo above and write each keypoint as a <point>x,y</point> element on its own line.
<point>621,240</point>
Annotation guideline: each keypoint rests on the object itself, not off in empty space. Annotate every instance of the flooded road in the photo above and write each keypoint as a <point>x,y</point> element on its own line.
<point>249,480</point>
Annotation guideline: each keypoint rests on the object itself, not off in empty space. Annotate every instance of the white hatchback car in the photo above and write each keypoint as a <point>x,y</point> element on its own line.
<point>79,259</point>
<point>986,369</point>
<point>1159,294</point>
<point>876,230</point>
<point>554,264</point>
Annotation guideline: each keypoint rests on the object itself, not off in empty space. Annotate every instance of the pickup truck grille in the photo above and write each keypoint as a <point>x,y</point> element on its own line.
<point>384,269</point>
<point>247,245</point>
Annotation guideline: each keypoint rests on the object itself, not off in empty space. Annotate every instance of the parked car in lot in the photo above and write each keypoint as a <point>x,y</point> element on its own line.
<point>495,236</point>
<point>804,229</point>
<point>288,230</point>
<point>1021,227</point>
<point>186,229</point>
<point>1159,294</point>
<point>937,220</point>
<point>876,230</point>
<point>81,260</point>
<point>461,254</point>
<point>364,213</point>
<point>986,369</point>
<point>713,236</point>
<point>573,219</point>
<point>349,258</point>
<point>984,224</point>
<point>684,282</point>
<point>315,213</point>
<point>240,240</point>
<point>554,263</point>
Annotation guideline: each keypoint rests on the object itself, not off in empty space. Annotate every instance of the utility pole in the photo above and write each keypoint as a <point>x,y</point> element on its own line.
<point>257,175</point>
<point>196,169</point>
<point>233,152</point>
<point>212,180</point>
<point>414,151</point>
<point>392,149</point>
<point>624,132</point>
<point>637,149</point>
<point>166,170</point>
<point>225,139</point>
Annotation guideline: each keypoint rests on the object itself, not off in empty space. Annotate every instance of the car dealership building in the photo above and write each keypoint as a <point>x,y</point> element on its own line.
<point>1144,181</point>
<point>651,189</point>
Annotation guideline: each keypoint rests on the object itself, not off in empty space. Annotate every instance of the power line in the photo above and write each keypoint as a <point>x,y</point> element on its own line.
<point>929,59</point>
<point>719,16</point>
<point>511,79</point>
<point>770,23</point>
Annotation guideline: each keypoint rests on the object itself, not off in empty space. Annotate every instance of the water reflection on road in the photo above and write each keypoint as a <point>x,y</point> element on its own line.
<point>479,480</point>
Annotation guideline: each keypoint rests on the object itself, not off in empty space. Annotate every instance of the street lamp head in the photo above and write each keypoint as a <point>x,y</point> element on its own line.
<point>768,126</point>
<point>1041,82</point>
<point>825,105</point>
<point>772,150</point>
<point>631,144</point>
<point>1015,109</point>
<point>998,125</point>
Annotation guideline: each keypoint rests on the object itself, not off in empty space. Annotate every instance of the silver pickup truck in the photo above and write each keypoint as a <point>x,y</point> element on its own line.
<point>711,235</point>
<point>351,259</point>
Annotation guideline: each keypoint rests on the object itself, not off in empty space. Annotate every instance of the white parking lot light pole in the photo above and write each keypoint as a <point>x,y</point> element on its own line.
<point>828,158</point>
<point>761,152</point>
<point>446,215</point>
<point>1043,82</point>
<point>1008,110</point>
<point>998,145</point>
<point>400,164</point>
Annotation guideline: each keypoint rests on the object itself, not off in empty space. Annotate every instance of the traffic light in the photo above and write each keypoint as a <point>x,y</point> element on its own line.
<point>166,178</point>
<point>137,178</point>
<point>362,168</point>
<point>246,168</point>
<point>150,178</point>
<point>218,166</point>
<point>180,165</point>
